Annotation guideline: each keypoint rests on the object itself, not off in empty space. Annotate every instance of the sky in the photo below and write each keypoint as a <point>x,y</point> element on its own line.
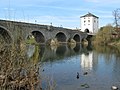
<point>61,13</point>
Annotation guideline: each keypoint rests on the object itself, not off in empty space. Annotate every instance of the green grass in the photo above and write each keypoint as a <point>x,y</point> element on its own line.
<point>31,41</point>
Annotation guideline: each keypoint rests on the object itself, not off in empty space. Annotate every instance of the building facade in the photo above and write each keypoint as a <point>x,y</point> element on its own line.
<point>89,23</point>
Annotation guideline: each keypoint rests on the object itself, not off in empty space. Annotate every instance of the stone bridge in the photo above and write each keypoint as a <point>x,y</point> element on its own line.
<point>12,30</point>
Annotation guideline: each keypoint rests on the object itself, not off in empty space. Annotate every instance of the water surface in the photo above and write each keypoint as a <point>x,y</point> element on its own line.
<point>60,66</point>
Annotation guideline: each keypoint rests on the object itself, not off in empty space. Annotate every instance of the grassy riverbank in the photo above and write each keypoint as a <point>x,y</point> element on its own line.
<point>115,44</point>
<point>107,35</point>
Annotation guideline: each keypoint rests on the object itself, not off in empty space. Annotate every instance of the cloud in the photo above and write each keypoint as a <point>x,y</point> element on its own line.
<point>94,1</point>
<point>11,9</point>
<point>58,12</point>
<point>58,19</point>
<point>106,16</point>
<point>104,1</point>
<point>69,22</point>
<point>27,2</point>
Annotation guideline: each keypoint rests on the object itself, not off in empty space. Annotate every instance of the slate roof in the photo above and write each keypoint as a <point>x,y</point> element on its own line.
<point>89,15</point>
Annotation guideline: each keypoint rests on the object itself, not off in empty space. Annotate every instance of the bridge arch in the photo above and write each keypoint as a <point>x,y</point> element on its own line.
<point>6,35</point>
<point>39,37</point>
<point>61,37</point>
<point>76,38</point>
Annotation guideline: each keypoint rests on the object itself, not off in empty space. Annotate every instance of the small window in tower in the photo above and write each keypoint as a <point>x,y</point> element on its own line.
<point>88,20</point>
<point>88,24</point>
<point>94,21</point>
<point>84,21</point>
<point>84,24</point>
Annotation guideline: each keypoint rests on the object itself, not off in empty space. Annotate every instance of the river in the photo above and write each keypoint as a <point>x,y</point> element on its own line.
<point>61,68</point>
<point>80,68</point>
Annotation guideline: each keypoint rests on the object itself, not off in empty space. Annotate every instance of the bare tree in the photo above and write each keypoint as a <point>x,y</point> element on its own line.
<point>116,14</point>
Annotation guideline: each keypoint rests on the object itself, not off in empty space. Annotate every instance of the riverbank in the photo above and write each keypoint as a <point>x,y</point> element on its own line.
<point>115,44</point>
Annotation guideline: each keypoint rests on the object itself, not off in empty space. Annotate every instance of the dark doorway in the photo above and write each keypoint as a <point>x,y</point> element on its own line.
<point>87,30</point>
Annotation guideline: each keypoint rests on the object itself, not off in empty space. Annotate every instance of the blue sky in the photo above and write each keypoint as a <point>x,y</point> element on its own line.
<point>65,13</point>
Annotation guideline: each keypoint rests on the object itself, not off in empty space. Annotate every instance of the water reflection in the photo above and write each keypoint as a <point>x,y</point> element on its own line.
<point>60,51</point>
<point>87,61</point>
<point>87,58</point>
<point>47,53</point>
<point>77,48</point>
<point>64,63</point>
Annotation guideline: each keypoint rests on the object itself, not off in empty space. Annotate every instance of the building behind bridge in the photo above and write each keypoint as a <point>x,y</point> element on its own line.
<point>89,23</point>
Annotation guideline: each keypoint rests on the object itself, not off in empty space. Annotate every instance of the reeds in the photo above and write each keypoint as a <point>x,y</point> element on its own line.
<point>17,71</point>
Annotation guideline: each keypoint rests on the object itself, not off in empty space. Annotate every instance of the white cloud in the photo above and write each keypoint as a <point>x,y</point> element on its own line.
<point>56,19</point>
<point>95,1</point>
<point>106,16</point>
<point>66,22</point>
<point>104,1</point>
<point>11,9</point>
<point>66,13</point>
<point>69,22</point>
<point>72,9</point>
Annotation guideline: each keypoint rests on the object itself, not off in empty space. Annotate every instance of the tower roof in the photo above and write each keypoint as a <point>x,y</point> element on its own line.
<point>89,15</point>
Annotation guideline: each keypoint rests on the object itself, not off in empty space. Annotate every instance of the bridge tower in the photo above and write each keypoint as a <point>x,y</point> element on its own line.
<point>89,23</point>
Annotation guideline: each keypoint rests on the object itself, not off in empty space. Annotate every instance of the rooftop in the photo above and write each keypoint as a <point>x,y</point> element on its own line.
<point>89,15</point>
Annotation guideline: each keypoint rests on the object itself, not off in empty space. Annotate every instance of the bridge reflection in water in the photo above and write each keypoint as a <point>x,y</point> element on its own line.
<point>54,53</point>
<point>62,64</point>
<point>47,53</point>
